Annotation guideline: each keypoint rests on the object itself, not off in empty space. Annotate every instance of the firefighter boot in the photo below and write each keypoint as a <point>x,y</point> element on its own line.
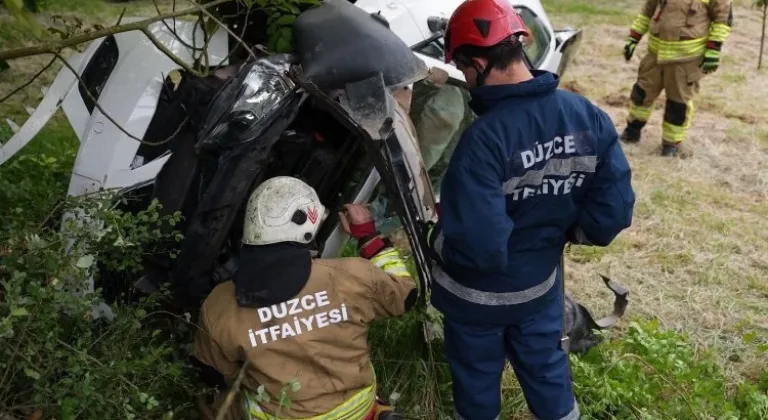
<point>633,132</point>
<point>669,150</point>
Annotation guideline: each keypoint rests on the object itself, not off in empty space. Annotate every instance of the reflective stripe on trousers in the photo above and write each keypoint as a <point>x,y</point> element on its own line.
<point>356,408</point>
<point>492,298</point>
<point>573,415</point>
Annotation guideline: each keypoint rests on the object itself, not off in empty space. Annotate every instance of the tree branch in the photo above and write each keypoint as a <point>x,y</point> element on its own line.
<point>172,30</point>
<point>233,391</point>
<point>30,81</point>
<point>108,117</point>
<point>54,47</point>
<point>159,45</point>
<point>242,34</point>
<point>223,26</point>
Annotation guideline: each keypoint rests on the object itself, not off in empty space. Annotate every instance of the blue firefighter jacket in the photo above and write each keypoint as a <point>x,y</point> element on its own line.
<point>537,162</point>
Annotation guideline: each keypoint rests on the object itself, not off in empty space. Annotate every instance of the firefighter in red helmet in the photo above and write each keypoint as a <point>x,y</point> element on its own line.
<point>480,24</point>
<point>539,167</point>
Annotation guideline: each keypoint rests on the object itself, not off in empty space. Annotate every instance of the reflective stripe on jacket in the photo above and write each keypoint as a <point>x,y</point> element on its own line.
<point>319,338</point>
<point>537,162</point>
<point>680,29</point>
<point>356,408</point>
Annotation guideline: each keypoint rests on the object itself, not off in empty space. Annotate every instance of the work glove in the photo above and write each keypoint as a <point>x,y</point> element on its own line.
<point>576,236</point>
<point>632,41</point>
<point>711,60</point>
<point>357,221</point>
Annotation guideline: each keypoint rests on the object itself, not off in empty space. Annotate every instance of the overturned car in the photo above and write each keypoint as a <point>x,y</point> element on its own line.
<point>376,129</point>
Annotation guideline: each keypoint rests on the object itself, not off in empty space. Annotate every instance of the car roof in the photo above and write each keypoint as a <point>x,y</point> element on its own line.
<point>408,18</point>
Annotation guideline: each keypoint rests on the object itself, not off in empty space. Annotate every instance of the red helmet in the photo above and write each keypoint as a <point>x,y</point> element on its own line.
<point>482,23</point>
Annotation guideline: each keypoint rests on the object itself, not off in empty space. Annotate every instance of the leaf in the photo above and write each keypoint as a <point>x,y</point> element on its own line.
<point>286,20</point>
<point>14,5</point>
<point>85,261</point>
<point>19,312</point>
<point>175,77</point>
<point>295,385</point>
<point>31,373</point>
<point>284,46</point>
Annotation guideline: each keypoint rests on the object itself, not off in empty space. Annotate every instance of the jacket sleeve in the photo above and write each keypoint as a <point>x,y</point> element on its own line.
<point>610,201</point>
<point>393,290</point>
<point>474,227</point>
<point>209,352</point>
<point>643,20</point>
<point>721,15</point>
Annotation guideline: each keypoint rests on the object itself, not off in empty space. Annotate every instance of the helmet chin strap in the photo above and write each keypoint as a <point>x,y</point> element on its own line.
<point>482,73</point>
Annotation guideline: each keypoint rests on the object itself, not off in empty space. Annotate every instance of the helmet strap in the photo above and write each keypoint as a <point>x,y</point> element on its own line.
<point>482,74</point>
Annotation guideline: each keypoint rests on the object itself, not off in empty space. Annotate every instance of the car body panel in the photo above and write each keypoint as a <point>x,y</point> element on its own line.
<point>408,18</point>
<point>107,158</point>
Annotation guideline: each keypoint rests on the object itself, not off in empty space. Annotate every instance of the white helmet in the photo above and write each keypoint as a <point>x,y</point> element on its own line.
<point>282,209</point>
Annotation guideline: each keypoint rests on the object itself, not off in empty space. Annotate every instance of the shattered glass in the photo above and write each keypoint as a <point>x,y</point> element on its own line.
<point>236,111</point>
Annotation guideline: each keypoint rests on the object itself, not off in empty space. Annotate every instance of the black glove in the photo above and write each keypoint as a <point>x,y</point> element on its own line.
<point>710,62</point>
<point>575,235</point>
<point>632,41</point>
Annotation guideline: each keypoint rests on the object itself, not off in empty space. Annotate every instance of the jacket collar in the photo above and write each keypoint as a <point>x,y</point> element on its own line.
<point>270,274</point>
<point>485,98</point>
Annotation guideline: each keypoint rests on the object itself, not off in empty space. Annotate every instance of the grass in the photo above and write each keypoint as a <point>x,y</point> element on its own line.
<point>695,259</point>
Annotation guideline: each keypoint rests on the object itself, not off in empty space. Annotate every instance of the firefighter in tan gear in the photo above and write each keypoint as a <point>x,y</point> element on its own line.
<point>686,37</point>
<point>302,323</point>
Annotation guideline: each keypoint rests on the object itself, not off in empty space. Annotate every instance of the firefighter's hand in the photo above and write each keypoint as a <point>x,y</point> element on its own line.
<point>629,48</point>
<point>357,221</point>
<point>711,61</point>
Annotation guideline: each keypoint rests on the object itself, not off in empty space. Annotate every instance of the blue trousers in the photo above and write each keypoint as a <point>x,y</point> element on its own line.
<point>477,355</point>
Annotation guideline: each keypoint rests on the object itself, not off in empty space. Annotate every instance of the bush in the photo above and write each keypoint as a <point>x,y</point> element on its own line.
<point>59,356</point>
<point>650,373</point>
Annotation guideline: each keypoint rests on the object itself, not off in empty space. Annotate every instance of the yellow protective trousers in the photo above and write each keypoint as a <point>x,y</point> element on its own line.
<point>680,81</point>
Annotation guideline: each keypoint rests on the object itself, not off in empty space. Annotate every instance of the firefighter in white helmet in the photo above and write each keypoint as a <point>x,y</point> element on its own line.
<point>298,320</point>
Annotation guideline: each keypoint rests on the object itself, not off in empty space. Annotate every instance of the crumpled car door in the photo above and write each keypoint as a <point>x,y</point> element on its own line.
<point>370,111</point>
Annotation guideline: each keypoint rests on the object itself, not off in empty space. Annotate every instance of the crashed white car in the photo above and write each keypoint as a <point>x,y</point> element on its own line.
<point>368,129</point>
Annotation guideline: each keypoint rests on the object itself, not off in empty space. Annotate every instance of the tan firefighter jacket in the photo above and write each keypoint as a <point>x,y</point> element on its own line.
<point>681,29</point>
<point>314,346</point>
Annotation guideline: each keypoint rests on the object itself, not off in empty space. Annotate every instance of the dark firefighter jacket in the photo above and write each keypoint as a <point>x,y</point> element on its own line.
<point>538,162</point>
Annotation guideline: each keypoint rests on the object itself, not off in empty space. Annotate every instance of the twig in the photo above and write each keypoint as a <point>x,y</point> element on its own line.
<point>173,30</point>
<point>233,390</point>
<point>207,41</point>
<point>112,120</point>
<point>80,39</point>
<point>30,81</point>
<point>159,45</point>
<point>95,360</point>
<point>242,34</point>
<point>223,26</point>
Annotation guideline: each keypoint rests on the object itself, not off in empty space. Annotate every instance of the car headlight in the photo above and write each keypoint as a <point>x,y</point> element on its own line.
<point>236,111</point>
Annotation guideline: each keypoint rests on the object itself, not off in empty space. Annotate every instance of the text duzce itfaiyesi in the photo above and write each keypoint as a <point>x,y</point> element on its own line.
<point>294,324</point>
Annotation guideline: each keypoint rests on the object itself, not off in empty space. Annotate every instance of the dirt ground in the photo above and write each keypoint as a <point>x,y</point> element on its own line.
<point>696,256</point>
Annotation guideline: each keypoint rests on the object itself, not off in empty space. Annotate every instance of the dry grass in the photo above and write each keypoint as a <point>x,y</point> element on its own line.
<point>696,256</point>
